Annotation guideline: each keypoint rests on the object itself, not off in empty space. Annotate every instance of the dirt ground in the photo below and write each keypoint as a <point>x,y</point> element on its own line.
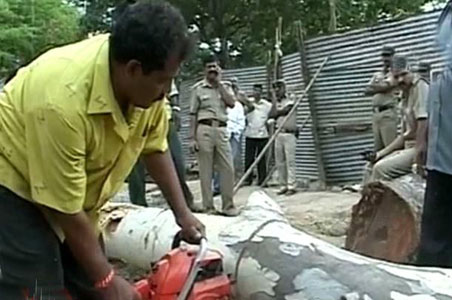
<point>323,214</point>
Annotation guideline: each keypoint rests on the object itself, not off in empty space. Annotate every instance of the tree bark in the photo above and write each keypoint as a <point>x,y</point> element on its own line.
<point>386,222</point>
<point>279,263</point>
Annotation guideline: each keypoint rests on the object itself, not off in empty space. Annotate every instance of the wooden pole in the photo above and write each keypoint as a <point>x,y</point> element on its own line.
<point>312,109</point>
<point>273,137</point>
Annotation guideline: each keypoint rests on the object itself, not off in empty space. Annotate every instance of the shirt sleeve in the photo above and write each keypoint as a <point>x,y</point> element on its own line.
<point>373,79</point>
<point>56,148</point>
<point>194,102</point>
<point>389,79</point>
<point>242,118</point>
<point>421,111</point>
<point>173,92</point>
<point>156,140</point>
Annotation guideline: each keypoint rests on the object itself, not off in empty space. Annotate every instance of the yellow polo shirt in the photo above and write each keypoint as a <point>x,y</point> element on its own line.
<point>64,142</point>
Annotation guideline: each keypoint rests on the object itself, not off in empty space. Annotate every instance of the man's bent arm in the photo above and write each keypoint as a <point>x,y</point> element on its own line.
<point>397,144</point>
<point>377,88</point>
<point>421,141</point>
<point>193,125</point>
<point>84,243</point>
<point>227,96</point>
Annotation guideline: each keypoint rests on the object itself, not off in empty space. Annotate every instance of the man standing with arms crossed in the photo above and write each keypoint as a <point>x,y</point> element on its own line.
<point>72,125</point>
<point>382,89</point>
<point>209,136</point>
<point>286,141</point>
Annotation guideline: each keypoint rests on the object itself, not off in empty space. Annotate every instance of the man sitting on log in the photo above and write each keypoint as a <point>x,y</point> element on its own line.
<point>397,159</point>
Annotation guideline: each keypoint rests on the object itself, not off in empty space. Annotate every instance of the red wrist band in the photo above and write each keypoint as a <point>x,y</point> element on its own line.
<point>104,283</point>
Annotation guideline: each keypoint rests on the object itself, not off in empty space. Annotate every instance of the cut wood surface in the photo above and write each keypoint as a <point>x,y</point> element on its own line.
<point>386,222</point>
<point>279,263</point>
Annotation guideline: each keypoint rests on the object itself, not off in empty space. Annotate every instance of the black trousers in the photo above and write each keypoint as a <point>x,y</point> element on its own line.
<point>137,184</point>
<point>253,148</point>
<point>436,237</point>
<point>33,261</point>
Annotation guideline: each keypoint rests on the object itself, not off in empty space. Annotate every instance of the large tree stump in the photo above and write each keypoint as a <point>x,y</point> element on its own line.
<point>386,222</point>
<point>280,262</point>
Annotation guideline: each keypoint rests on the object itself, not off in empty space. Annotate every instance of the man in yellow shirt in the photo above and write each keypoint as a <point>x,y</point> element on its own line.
<point>72,124</point>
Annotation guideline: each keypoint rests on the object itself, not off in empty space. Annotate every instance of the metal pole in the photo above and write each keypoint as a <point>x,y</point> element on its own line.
<point>273,137</point>
<point>312,110</point>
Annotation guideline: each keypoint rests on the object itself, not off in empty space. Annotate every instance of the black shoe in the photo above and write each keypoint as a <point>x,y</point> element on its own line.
<point>282,191</point>
<point>291,192</point>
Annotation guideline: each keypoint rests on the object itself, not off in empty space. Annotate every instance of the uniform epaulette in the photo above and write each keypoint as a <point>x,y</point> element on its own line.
<point>228,83</point>
<point>197,84</point>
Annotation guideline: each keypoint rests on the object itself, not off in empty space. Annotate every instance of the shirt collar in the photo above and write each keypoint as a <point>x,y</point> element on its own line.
<point>102,99</point>
<point>205,83</point>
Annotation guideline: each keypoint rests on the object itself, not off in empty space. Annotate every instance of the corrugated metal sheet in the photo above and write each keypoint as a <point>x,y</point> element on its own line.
<point>338,91</point>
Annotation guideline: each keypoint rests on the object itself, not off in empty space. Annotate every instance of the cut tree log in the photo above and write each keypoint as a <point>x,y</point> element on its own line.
<point>386,221</point>
<point>280,262</point>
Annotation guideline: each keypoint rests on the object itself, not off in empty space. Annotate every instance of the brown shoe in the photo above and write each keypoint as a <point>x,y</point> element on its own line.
<point>282,191</point>
<point>230,212</point>
<point>291,192</point>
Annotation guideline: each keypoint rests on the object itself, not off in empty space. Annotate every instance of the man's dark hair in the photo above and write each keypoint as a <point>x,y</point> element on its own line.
<point>258,86</point>
<point>149,32</point>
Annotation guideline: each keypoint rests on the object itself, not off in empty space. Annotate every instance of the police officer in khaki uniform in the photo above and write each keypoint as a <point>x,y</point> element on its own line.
<point>383,89</point>
<point>286,140</point>
<point>424,69</point>
<point>209,136</point>
<point>398,158</point>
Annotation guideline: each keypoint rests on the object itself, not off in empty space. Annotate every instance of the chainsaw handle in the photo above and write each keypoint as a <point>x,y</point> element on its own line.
<point>178,239</point>
<point>202,252</point>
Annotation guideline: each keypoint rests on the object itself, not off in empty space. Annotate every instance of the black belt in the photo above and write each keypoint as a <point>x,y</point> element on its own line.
<point>382,108</point>
<point>213,123</point>
<point>292,131</point>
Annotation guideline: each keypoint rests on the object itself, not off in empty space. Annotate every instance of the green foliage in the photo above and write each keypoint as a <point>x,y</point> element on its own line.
<point>29,27</point>
<point>241,32</point>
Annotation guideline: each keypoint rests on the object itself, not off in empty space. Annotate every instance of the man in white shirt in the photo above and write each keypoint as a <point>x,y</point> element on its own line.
<point>235,128</point>
<point>256,133</point>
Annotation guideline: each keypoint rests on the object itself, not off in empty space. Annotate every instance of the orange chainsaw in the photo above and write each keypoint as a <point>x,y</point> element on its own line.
<point>187,272</point>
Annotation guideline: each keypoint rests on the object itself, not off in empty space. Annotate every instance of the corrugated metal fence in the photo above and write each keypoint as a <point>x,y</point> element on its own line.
<point>344,113</point>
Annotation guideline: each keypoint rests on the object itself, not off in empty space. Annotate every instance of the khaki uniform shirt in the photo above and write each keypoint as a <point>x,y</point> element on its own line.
<point>257,120</point>
<point>291,124</point>
<point>414,107</point>
<point>384,99</point>
<point>206,102</point>
<point>168,107</point>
